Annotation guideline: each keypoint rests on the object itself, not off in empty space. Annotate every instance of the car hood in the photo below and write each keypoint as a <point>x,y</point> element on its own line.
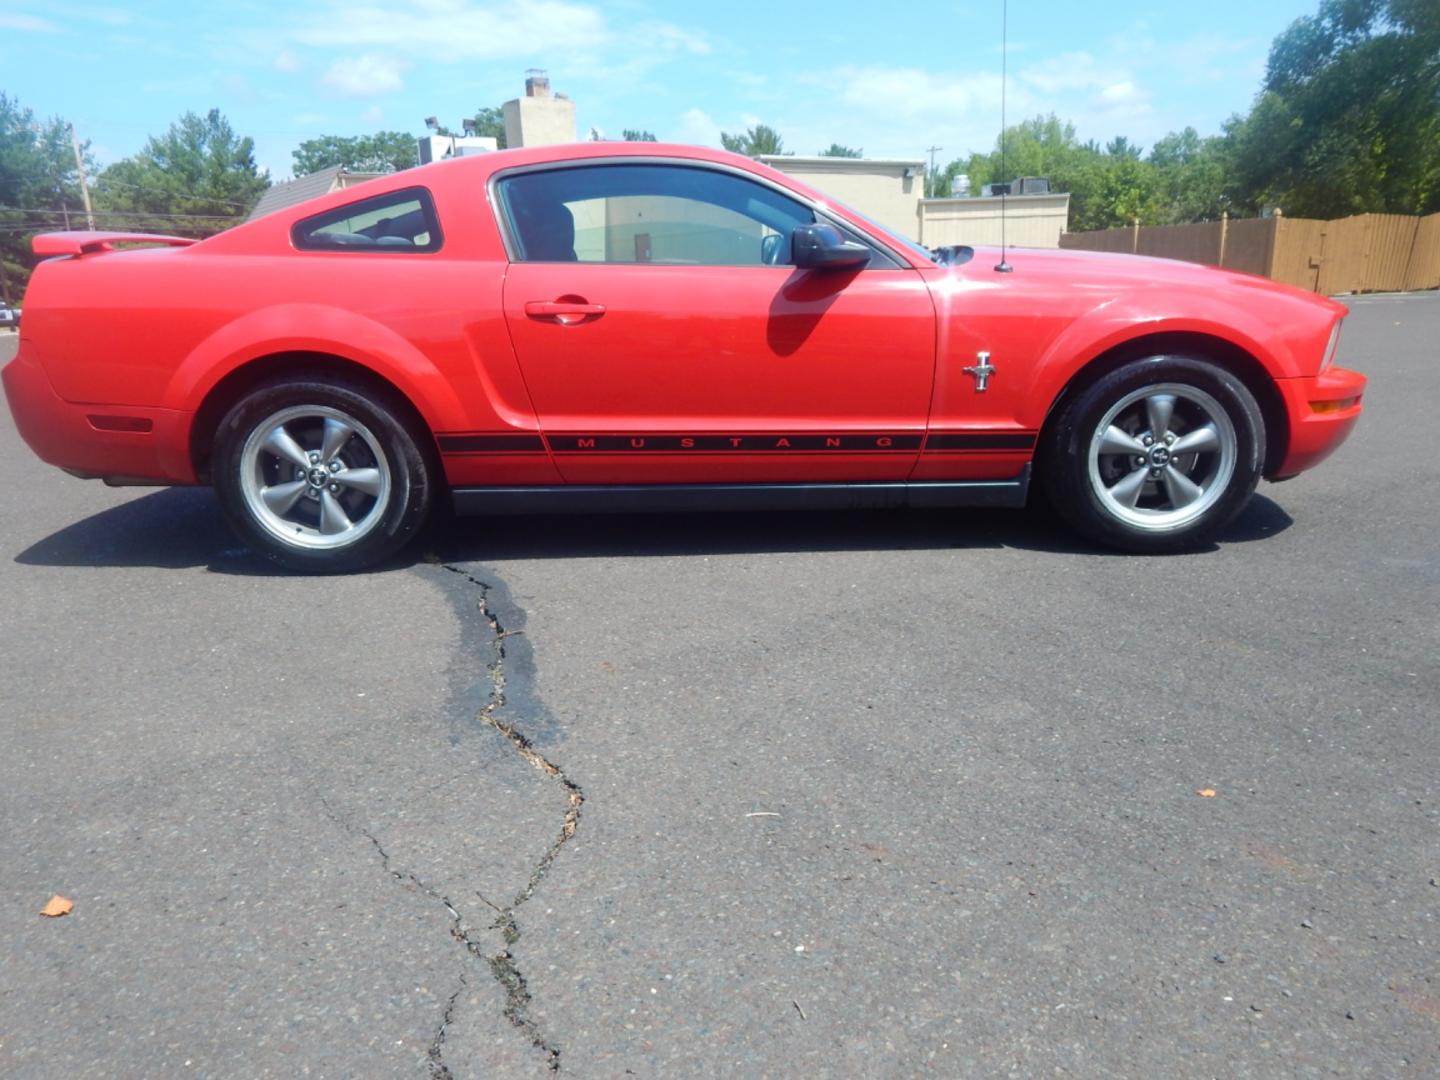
<point>1142,272</point>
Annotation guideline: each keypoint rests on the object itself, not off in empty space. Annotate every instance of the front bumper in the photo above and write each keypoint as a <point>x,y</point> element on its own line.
<point>122,443</point>
<point>1322,410</point>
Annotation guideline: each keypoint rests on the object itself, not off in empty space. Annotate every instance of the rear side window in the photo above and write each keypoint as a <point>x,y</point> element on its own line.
<point>396,221</point>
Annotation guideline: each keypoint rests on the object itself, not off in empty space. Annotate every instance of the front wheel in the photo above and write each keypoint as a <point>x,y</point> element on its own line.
<point>321,475</point>
<point>1158,455</point>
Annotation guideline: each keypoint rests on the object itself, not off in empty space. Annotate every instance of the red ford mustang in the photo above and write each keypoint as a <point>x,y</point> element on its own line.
<point>608,326</point>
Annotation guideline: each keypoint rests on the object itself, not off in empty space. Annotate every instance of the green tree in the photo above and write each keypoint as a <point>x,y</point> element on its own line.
<point>1348,119</point>
<point>1108,187</point>
<point>1120,146</point>
<point>1193,174</point>
<point>836,150</point>
<point>491,121</point>
<point>758,140</point>
<point>1040,146</point>
<point>486,121</point>
<point>196,179</point>
<point>637,135</point>
<point>1111,190</point>
<point>39,188</point>
<point>385,151</point>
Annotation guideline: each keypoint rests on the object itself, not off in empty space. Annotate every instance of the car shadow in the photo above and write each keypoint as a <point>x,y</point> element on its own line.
<point>178,528</point>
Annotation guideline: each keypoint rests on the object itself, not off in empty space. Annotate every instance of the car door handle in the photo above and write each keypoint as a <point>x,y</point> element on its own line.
<point>564,312</point>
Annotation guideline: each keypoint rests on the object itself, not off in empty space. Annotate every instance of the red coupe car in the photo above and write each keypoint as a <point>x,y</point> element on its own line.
<point>603,327</point>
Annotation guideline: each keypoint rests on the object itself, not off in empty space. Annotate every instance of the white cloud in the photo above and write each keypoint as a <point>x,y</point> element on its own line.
<point>670,38</point>
<point>1119,92</point>
<point>458,29</point>
<point>373,115</point>
<point>899,111</point>
<point>697,127</point>
<point>1068,71</point>
<point>365,76</point>
<point>286,61</point>
<point>10,20</point>
<point>577,35</point>
<point>915,92</point>
<point>93,13</point>
<point>238,87</point>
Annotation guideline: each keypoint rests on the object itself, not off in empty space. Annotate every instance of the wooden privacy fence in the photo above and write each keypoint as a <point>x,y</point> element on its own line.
<point>1365,253</point>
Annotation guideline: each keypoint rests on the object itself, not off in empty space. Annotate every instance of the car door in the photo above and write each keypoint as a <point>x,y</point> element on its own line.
<point>663,338</point>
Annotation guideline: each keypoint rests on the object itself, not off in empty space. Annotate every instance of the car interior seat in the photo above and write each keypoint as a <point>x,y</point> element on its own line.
<point>547,229</point>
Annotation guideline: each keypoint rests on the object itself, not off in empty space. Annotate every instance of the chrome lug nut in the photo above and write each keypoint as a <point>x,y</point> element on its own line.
<point>314,457</point>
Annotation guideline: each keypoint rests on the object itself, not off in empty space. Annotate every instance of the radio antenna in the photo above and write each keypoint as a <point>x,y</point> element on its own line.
<point>1003,267</point>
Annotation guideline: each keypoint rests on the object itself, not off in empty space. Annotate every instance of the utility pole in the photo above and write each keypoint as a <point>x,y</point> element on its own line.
<point>930,175</point>
<point>84,187</point>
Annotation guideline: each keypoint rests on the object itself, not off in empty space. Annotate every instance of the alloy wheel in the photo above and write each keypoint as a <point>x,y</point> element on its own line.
<point>315,477</point>
<point>1161,456</point>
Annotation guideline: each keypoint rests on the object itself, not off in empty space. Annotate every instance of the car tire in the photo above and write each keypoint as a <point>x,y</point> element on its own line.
<point>1157,455</point>
<point>323,474</point>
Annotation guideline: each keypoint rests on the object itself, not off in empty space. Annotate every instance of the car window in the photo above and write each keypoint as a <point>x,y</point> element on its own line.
<point>396,221</point>
<point>668,214</point>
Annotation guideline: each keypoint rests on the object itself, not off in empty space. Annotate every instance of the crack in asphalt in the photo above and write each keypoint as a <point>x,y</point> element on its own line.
<point>503,966</point>
<point>458,930</point>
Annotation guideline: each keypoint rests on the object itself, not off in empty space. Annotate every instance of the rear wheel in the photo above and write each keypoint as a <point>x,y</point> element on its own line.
<point>1157,455</point>
<point>321,475</point>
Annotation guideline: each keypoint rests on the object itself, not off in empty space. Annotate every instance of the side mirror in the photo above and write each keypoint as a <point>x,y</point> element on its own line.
<point>821,247</point>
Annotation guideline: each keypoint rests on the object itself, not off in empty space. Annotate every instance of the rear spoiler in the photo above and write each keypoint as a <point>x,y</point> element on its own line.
<point>81,243</point>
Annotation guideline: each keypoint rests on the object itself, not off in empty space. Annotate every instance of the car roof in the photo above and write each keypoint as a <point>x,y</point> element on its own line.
<point>474,171</point>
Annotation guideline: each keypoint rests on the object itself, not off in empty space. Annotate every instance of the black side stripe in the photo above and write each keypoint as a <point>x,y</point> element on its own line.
<point>980,442</point>
<point>850,442</point>
<point>491,444</point>
<point>733,444</point>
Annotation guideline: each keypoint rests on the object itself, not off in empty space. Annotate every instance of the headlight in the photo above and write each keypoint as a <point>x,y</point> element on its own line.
<point>1331,346</point>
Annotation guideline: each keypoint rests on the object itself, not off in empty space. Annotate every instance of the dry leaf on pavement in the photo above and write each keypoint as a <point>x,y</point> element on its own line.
<point>58,905</point>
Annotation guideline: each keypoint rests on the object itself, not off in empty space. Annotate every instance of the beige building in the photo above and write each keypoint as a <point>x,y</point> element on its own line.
<point>889,191</point>
<point>892,193</point>
<point>1033,221</point>
<point>540,118</point>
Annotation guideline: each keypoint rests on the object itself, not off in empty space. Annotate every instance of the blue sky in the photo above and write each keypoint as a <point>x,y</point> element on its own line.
<point>891,79</point>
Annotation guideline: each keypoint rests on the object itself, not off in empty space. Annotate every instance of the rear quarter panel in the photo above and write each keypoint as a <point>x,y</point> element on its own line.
<point>159,328</point>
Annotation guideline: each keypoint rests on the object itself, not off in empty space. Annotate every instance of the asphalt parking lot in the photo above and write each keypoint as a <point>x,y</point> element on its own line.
<point>830,795</point>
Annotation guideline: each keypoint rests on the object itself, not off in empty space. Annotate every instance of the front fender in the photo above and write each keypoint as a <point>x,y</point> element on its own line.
<point>1285,339</point>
